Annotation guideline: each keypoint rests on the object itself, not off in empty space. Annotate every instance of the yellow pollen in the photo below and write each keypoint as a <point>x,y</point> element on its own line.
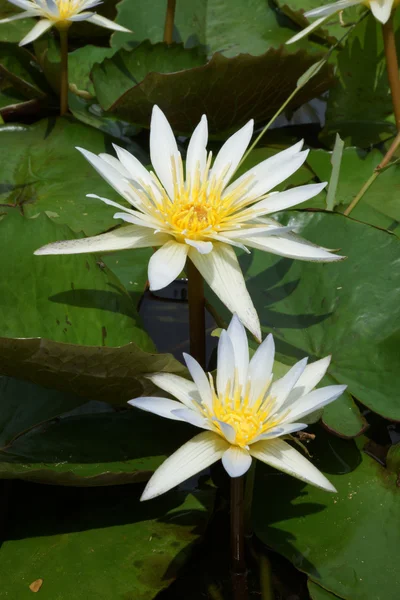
<point>66,9</point>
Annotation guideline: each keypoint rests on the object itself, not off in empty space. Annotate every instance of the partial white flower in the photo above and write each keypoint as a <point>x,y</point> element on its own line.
<point>198,213</point>
<point>244,413</point>
<point>381,9</point>
<point>60,13</point>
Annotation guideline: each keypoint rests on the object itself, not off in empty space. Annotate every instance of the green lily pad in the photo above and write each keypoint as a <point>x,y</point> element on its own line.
<point>41,171</point>
<point>71,299</point>
<point>99,543</point>
<point>359,106</point>
<point>16,30</point>
<point>224,82</point>
<point>319,593</point>
<point>346,542</point>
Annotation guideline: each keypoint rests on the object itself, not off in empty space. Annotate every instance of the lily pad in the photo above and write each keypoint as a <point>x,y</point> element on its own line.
<point>228,90</point>
<point>99,543</point>
<point>319,593</point>
<point>346,542</point>
<point>16,30</point>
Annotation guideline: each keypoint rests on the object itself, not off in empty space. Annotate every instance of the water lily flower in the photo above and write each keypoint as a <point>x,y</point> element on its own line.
<point>381,9</point>
<point>60,13</point>
<point>244,414</point>
<point>201,216</point>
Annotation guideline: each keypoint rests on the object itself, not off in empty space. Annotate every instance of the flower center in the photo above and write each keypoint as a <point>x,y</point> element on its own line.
<point>66,9</point>
<point>246,423</point>
<point>191,218</point>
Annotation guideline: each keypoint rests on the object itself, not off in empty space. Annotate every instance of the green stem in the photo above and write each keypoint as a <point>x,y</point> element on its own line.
<point>239,571</point>
<point>169,22</point>
<point>64,71</point>
<point>197,325</point>
<point>392,66</point>
<point>248,499</point>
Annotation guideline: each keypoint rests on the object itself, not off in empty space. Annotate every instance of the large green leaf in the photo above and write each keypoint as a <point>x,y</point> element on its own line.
<point>100,543</point>
<point>65,298</point>
<point>16,30</point>
<point>346,542</point>
<point>41,171</point>
<point>319,593</point>
<point>227,90</point>
<point>228,26</point>
<point>21,78</point>
<point>359,106</point>
<point>356,168</point>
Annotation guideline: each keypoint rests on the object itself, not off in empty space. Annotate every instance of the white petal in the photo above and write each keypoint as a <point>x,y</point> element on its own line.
<point>314,401</point>
<point>138,218</point>
<point>236,461</point>
<point>110,174</point>
<point>260,368</point>
<point>183,389</point>
<point>292,197</point>
<point>123,238</point>
<point>266,169</point>
<point>163,149</point>
<point>231,153</point>
<point>158,406</point>
<point>202,247</point>
<point>192,417</point>
<point>308,29</point>
<point>166,264</point>
<point>194,456</point>
<point>227,430</point>
<point>309,379</point>
<point>103,22</point>
<point>281,430</point>
<point>292,246</point>
<point>41,27</point>
<point>115,163</point>
<point>282,456</point>
<point>21,4</point>
<point>225,365</point>
<point>83,16</point>
<point>24,15</point>
<point>222,272</point>
<point>237,333</point>
<point>112,203</point>
<point>330,9</point>
<point>135,169</point>
<point>281,388</point>
<point>381,9</point>
<point>196,156</point>
<point>200,379</point>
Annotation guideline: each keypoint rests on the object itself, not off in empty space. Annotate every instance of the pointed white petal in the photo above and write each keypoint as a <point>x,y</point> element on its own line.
<point>308,30</point>
<point>123,238</point>
<point>163,150</point>
<point>202,247</point>
<point>166,264</point>
<point>292,246</point>
<point>381,9</point>
<point>225,365</point>
<point>83,16</point>
<point>222,272</point>
<point>200,379</point>
<point>24,15</point>
<point>236,461</point>
<point>103,22</point>
<point>238,336</point>
<point>183,389</point>
<point>115,163</point>
<point>41,27</point>
<point>137,172</point>
<point>261,173</point>
<point>281,388</point>
<point>330,9</point>
<point>282,456</point>
<point>227,430</point>
<point>281,430</point>
<point>314,401</point>
<point>158,406</point>
<point>283,200</point>
<point>192,417</point>
<point>138,218</point>
<point>309,379</point>
<point>231,153</point>
<point>112,203</point>
<point>194,456</point>
<point>260,368</point>
<point>196,156</point>
<point>22,4</point>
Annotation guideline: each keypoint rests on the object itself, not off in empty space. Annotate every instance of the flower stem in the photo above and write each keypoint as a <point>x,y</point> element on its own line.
<point>197,325</point>
<point>169,22</point>
<point>392,65</point>
<point>64,71</point>
<point>239,572</point>
<point>248,499</point>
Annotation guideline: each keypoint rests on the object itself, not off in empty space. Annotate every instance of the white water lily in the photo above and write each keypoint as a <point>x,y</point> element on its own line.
<point>202,215</point>
<point>381,9</point>
<point>244,414</point>
<point>58,13</point>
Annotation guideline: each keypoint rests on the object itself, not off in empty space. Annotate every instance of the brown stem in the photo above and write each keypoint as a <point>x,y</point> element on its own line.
<point>64,72</point>
<point>392,66</point>
<point>197,324</point>
<point>239,572</point>
<point>169,22</point>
